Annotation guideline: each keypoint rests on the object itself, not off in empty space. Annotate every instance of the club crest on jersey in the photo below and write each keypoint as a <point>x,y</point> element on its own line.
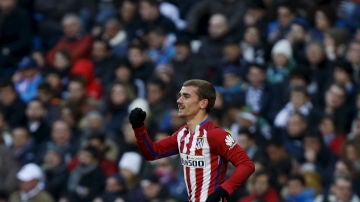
<point>199,143</point>
<point>229,141</point>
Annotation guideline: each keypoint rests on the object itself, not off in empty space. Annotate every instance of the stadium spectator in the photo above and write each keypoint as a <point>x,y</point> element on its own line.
<point>104,63</point>
<point>23,146</point>
<point>116,37</point>
<point>151,17</point>
<point>261,189</point>
<point>31,180</point>
<point>62,140</point>
<point>297,190</point>
<point>140,65</point>
<point>159,50</point>
<point>185,63</point>
<point>27,78</point>
<point>341,191</point>
<point>55,172</point>
<point>199,14</point>
<point>36,122</point>
<point>74,40</point>
<point>87,180</point>
<point>130,167</point>
<point>115,190</point>
<point>117,104</point>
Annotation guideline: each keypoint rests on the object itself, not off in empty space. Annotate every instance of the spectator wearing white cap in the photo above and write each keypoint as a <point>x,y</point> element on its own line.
<point>282,62</point>
<point>130,167</point>
<point>31,180</point>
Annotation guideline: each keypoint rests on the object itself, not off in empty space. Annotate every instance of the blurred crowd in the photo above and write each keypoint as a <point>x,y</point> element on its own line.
<point>287,77</point>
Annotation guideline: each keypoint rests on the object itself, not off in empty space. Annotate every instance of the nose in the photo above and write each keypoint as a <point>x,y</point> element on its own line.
<point>179,100</point>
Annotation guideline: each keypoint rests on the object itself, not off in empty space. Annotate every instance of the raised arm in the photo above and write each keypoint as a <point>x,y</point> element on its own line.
<point>151,150</point>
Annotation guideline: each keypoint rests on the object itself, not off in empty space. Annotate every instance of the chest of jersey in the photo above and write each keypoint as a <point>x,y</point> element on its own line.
<point>194,149</point>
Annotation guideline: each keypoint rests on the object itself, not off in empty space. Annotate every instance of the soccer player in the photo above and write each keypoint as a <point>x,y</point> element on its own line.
<point>204,148</point>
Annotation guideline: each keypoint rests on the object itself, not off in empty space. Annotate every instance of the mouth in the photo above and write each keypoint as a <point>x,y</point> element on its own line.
<point>180,107</point>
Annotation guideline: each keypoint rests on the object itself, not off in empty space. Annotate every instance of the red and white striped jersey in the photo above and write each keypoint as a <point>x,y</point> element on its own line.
<point>204,155</point>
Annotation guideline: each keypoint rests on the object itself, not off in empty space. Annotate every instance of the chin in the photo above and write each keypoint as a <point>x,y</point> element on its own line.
<point>180,114</point>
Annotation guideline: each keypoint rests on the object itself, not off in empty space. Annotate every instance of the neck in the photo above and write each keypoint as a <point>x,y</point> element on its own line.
<point>196,120</point>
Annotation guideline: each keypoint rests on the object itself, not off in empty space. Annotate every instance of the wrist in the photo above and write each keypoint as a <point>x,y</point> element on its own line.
<point>222,192</point>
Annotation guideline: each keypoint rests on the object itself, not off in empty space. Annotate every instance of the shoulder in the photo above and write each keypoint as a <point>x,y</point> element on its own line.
<point>220,137</point>
<point>43,196</point>
<point>15,197</point>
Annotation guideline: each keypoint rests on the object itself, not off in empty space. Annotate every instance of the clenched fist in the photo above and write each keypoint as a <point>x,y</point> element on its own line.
<point>137,117</point>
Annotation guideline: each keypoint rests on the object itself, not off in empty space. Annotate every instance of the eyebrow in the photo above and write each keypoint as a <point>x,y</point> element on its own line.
<point>184,94</point>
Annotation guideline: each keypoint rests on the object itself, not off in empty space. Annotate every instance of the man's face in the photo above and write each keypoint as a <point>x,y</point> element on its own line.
<point>297,32</point>
<point>342,190</point>
<point>155,40</point>
<point>261,185</point>
<point>232,52</point>
<point>295,187</point>
<point>28,186</point>
<point>61,133</point>
<point>334,97</point>
<point>244,141</point>
<point>136,57</point>
<point>111,28</point>
<point>314,54</point>
<point>71,27</point>
<point>118,94</point>
<point>285,16</point>
<point>85,158</point>
<point>298,99</point>
<point>295,126</point>
<point>7,5</point>
<point>99,51</point>
<point>256,76</point>
<point>20,137</point>
<point>128,11</point>
<point>76,91</point>
<point>252,36</point>
<point>147,11</point>
<point>35,110</point>
<point>181,52</point>
<point>7,95</point>
<point>217,27</point>
<point>189,103</point>
<point>353,53</point>
<point>112,185</point>
<point>341,76</point>
<point>155,94</point>
<point>321,21</point>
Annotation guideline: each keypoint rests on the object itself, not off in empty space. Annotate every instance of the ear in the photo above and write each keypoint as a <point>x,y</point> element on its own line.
<point>203,103</point>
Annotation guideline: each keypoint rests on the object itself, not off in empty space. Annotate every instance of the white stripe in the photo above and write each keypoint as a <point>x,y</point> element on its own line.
<point>186,141</point>
<point>207,169</point>
<point>192,169</point>
<point>180,136</point>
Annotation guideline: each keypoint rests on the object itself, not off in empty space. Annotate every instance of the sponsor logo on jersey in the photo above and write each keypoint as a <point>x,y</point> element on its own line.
<point>199,143</point>
<point>229,141</point>
<point>192,161</point>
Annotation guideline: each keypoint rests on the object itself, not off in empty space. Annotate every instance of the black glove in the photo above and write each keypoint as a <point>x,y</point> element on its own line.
<point>217,195</point>
<point>137,117</point>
